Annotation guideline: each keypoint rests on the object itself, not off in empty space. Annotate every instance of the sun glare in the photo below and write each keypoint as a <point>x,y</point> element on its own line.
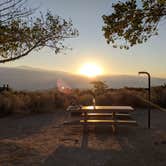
<point>90,70</point>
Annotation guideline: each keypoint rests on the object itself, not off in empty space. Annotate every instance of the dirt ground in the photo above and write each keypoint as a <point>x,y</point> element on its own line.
<point>43,140</point>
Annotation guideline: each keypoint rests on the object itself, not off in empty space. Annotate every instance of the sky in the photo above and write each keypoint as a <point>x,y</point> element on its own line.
<point>91,47</point>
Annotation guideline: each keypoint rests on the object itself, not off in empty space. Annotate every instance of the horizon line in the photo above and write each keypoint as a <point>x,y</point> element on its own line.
<point>24,67</point>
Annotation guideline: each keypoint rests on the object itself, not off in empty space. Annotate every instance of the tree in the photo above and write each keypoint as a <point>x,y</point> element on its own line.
<point>20,35</point>
<point>133,22</point>
<point>99,87</point>
<point>10,9</point>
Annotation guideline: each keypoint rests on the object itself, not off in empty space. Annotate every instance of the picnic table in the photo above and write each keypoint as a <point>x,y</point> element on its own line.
<point>101,115</point>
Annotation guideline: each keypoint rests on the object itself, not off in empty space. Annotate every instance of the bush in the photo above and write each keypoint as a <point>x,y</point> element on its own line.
<point>85,99</point>
<point>10,103</point>
<point>45,101</point>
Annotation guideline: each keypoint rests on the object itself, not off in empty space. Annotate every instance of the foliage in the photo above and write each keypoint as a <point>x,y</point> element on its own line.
<point>10,9</point>
<point>99,87</point>
<point>133,22</point>
<point>85,99</point>
<point>159,95</point>
<point>19,35</point>
<point>49,101</point>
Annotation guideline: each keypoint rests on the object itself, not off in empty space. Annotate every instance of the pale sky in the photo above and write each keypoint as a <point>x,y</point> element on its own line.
<point>90,45</point>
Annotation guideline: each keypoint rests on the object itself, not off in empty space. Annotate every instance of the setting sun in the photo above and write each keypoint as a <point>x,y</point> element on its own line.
<point>90,70</point>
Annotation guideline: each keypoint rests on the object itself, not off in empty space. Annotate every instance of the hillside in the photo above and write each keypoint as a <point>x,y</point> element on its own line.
<point>27,78</point>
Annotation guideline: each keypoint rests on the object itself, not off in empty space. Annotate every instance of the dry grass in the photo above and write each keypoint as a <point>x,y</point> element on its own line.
<point>46,101</point>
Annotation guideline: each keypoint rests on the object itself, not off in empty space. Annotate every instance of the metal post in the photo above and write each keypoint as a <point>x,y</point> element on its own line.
<point>149,95</point>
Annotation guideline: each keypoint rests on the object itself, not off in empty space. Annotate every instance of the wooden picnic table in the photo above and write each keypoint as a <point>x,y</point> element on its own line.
<point>86,112</point>
<point>107,108</point>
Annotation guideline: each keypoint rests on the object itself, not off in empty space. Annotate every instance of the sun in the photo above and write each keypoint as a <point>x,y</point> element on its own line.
<point>90,70</point>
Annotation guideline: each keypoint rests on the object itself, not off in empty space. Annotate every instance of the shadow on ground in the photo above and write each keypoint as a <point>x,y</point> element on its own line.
<point>14,127</point>
<point>16,154</point>
<point>35,140</point>
<point>130,146</point>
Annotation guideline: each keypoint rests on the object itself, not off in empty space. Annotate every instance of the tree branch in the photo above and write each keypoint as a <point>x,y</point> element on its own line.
<point>20,56</point>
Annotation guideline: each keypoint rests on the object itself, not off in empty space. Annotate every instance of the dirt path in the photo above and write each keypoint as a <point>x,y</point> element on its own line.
<point>43,140</point>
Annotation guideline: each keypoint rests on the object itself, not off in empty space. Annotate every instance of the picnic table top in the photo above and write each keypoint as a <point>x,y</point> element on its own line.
<point>101,108</point>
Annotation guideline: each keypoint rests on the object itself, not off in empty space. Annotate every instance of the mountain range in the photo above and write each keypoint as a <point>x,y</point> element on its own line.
<point>28,78</point>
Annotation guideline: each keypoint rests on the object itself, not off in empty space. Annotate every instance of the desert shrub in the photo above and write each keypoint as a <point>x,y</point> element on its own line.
<point>40,102</point>
<point>85,99</point>
<point>5,105</point>
<point>120,97</point>
<point>159,95</point>
<point>59,100</point>
<point>163,98</point>
<point>31,102</point>
<point>45,101</point>
<point>10,103</point>
<point>104,99</point>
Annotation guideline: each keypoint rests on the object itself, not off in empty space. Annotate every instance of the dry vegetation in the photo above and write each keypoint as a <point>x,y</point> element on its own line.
<point>46,101</point>
<point>44,140</point>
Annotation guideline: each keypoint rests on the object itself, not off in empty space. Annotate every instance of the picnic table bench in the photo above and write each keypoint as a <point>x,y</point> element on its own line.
<point>100,115</point>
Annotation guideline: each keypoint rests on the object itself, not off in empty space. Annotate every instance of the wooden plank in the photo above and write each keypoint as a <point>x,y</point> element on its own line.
<point>100,108</point>
<point>105,114</point>
<point>99,115</point>
<point>112,108</point>
<point>108,121</point>
<point>102,111</point>
<point>101,122</point>
<point>106,109</point>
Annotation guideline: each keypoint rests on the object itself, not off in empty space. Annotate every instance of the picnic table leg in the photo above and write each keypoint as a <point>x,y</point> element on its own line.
<point>113,125</point>
<point>85,122</point>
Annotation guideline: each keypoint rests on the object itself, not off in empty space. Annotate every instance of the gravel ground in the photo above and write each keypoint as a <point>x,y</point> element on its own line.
<point>43,140</point>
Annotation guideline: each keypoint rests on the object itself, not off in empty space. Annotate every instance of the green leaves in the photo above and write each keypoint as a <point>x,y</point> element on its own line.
<point>99,87</point>
<point>19,37</point>
<point>133,22</point>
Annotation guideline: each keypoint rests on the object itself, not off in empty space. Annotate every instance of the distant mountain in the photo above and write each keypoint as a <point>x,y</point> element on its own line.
<point>120,81</point>
<point>27,78</point>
